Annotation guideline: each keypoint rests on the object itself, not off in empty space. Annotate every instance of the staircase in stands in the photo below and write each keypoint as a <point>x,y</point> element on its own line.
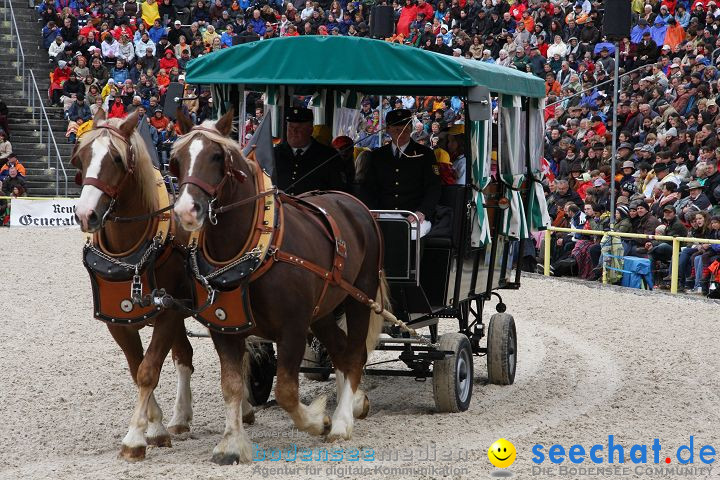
<point>25,132</point>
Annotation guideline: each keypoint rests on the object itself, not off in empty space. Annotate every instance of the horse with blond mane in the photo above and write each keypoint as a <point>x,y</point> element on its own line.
<point>120,182</point>
<point>298,260</point>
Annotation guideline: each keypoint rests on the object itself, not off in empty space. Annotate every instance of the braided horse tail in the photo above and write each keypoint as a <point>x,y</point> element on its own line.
<point>377,308</point>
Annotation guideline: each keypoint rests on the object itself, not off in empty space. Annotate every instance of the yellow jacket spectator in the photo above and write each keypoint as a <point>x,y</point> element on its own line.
<point>150,12</point>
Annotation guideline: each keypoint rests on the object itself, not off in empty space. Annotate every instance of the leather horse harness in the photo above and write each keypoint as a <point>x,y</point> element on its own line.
<point>117,279</point>
<point>224,285</point>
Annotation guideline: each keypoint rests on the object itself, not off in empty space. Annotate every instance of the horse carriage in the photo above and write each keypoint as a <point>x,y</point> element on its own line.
<point>305,257</point>
<point>448,276</point>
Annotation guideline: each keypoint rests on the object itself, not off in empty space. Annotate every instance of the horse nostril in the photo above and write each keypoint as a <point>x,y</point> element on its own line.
<point>92,218</point>
<point>196,207</point>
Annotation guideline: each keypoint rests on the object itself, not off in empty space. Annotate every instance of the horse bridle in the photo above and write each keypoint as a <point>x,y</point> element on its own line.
<point>110,190</point>
<point>213,191</point>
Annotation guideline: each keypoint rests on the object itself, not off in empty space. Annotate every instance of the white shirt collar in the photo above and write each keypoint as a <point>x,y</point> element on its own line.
<point>304,149</point>
<point>402,147</point>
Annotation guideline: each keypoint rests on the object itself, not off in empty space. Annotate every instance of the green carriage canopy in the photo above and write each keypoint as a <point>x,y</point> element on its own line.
<point>360,64</point>
<point>352,67</point>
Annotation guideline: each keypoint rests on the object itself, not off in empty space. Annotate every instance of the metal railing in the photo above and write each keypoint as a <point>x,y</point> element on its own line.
<point>597,85</point>
<point>15,41</point>
<point>30,91</point>
<point>675,242</point>
<point>59,166</point>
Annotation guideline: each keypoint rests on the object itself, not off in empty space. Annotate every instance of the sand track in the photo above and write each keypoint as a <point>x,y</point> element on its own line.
<point>591,363</point>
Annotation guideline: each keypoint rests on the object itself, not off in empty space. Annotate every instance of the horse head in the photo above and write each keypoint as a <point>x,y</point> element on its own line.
<point>109,158</point>
<point>205,161</point>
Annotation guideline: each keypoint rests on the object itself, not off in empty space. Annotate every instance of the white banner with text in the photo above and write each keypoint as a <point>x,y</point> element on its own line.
<point>55,212</point>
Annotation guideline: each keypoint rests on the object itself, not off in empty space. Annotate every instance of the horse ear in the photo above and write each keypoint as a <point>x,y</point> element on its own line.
<point>99,116</point>
<point>224,125</point>
<point>183,121</point>
<point>129,124</point>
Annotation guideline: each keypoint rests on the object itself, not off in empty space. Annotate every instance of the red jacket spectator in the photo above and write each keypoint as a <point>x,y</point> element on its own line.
<point>84,31</point>
<point>407,16</point>
<point>117,109</point>
<point>426,8</point>
<point>168,61</point>
<point>119,30</point>
<point>517,10</point>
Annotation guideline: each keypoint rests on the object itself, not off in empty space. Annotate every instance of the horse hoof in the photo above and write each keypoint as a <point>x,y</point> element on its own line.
<point>160,441</point>
<point>226,458</point>
<point>327,425</point>
<point>334,437</point>
<point>132,454</point>
<point>365,409</point>
<point>178,429</point>
<point>249,418</point>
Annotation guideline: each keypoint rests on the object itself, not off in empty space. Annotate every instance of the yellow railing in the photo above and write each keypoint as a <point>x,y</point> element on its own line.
<point>675,241</point>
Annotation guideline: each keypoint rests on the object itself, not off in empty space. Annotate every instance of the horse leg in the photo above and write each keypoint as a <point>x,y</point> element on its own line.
<point>128,338</point>
<point>334,337</point>
<point>182,353</point>
<point>308,418</point>
<point>235,444</point>
<point>147,412</point>
<point>352,401</point>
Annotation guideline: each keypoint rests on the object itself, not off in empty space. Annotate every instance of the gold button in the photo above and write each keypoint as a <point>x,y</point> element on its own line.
<point>397,170</point>
<point>397,183</point>
<point>396,195</point>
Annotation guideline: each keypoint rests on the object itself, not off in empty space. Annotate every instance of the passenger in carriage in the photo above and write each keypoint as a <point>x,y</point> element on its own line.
<point>296,158</point>
<point>402,175</point>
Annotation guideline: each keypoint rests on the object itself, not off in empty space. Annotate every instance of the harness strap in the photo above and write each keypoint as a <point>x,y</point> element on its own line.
<point>359,295</point>
<point>210,190</point>
<point>109,190</point>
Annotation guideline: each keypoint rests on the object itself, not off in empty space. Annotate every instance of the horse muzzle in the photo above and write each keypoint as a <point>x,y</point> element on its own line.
<point>190,212</point>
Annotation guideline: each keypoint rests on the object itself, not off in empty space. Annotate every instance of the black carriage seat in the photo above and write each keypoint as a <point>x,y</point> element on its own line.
<point>447,225</point>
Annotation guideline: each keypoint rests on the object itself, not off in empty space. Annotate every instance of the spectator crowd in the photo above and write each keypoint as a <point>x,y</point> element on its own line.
<point>122,56</point>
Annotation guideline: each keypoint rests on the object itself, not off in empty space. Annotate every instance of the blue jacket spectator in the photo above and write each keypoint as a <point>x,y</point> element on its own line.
<point>49,35</point>
<point>119,75</point>
<point>259,25</point>
<point>72,4</point>
<point>79,111</point>
<point>156,33</point>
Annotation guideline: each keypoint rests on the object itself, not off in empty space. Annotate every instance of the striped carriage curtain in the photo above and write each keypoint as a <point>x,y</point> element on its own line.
<point>538,211</point>
<point>221,99</point>
<point>275,100</point>
<point>481,146</point>
<point>511,164</point>
<point>346,117</point>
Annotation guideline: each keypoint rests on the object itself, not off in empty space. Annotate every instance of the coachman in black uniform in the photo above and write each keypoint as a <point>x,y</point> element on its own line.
<point>402,175</point>
<point>301,153</point>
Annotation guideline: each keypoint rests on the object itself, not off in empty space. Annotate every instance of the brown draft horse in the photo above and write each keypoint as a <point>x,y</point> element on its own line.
<point>102,156</point>
<point>283,298</point>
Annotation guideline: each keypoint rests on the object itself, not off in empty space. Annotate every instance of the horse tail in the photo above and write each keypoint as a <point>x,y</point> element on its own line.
<point>376,318</point>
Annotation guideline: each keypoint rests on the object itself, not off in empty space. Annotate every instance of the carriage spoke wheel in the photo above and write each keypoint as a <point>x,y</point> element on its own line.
<point>316,356</point>
<point>501,349</point>
<point>263,366</point>
<point>453,375</point>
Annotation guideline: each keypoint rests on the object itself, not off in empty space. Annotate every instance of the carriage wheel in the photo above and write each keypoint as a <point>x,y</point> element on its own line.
<point>263,366</point>
<point>453,375</point>
<point>316,356</point>
<point>501,349</point>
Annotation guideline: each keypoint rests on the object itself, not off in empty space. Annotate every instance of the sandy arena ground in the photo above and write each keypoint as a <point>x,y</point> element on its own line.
<point>591,363</point>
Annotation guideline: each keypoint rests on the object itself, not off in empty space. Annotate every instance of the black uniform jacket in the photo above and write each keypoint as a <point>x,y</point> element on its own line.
<point>290,168</point>
<point>408,183</point>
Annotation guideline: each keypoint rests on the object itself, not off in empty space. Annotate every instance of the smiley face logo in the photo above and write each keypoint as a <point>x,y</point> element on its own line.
<point>502,453</point>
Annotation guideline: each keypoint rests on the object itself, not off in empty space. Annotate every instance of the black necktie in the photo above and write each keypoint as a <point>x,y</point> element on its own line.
<point>397,153</point>
<point>298,153</point>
